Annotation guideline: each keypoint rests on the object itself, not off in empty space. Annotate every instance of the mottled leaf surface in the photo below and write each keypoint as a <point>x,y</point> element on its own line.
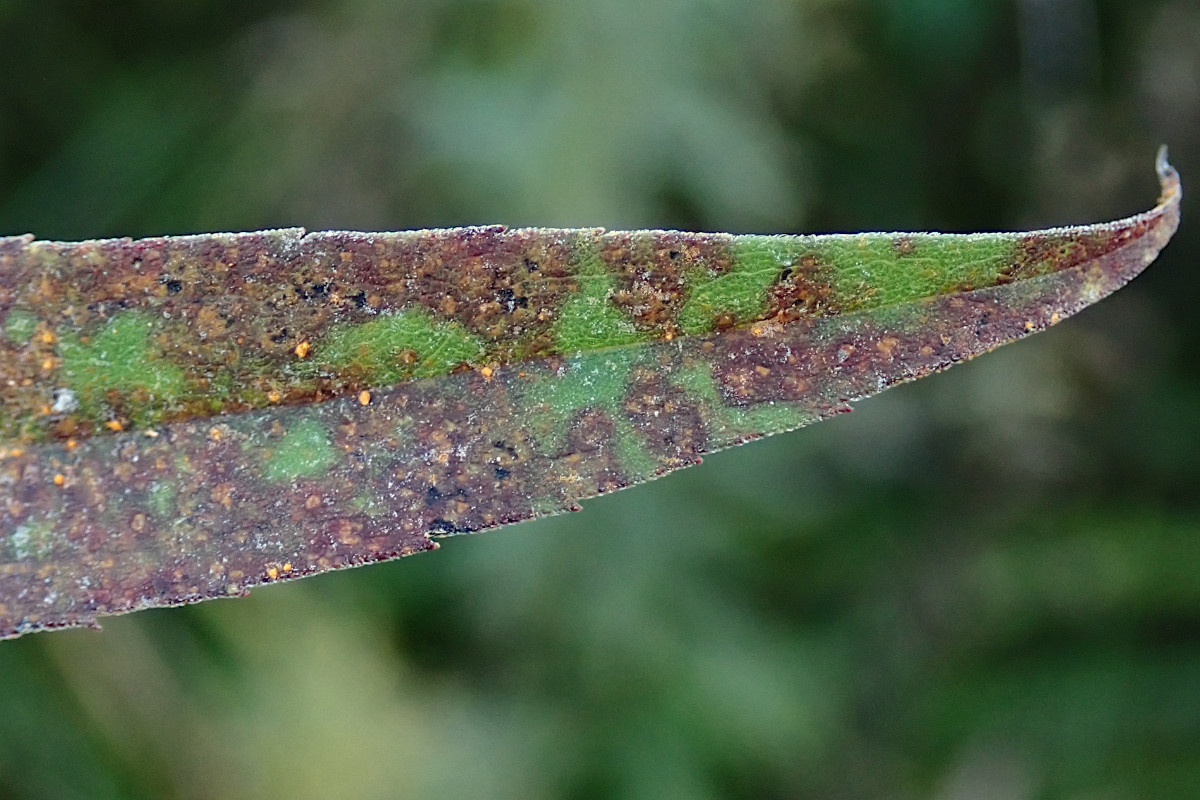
<point>184,418</point>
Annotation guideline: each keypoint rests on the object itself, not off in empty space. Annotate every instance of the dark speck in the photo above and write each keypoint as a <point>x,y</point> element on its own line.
<point>442,526</point>
<point>314,291</point>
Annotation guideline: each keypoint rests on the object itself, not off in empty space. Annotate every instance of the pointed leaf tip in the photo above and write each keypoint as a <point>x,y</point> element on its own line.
<point>184,418</point>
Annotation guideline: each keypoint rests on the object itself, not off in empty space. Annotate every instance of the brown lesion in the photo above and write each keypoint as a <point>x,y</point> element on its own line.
<point>28,387</point>
<point>803,289</point>
<point>668,421</point>
<point>653,269</point>
<point>472,466</point>
<point>588,463</point>
<point>504,286</point>
<point>750,369</point>
<point>1043,253</point>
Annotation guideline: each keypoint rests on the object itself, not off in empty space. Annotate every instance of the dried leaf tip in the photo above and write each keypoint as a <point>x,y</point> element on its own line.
<point>1168,176</point>
<point>1170,197</point>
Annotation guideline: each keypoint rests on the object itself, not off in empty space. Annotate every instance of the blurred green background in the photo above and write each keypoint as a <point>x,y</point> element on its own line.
<point>984,585</point>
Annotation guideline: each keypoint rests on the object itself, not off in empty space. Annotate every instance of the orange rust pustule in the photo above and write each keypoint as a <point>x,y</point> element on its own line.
<point>652,269</point>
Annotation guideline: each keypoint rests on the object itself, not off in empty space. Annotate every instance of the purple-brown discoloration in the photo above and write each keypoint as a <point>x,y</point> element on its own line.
<point>209,507</point>
<point>653,268</point>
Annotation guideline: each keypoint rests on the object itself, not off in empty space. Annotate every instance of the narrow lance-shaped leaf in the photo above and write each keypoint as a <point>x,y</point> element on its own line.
<point>184,418</point>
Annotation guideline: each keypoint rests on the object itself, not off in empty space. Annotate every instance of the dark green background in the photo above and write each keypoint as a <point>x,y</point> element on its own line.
<point>985,585</point>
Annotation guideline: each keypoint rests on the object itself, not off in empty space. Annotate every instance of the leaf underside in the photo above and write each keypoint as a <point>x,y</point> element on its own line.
<point>183,418</point>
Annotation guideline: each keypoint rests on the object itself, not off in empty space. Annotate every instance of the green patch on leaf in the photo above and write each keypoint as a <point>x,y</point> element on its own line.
<point>598,381</point>
<point>305,451</point>
<point>122,358</point>
<point>369,505</point>
<point>875,271</point>
<point>588,380</point>
<point>162,500</point>
<point>397,347</point>
<point>726,424</point>
<point>19,326</point>
<point>589,320</point>
<point>34,540</point>
<point>636,460</point>
<point>741,292</point>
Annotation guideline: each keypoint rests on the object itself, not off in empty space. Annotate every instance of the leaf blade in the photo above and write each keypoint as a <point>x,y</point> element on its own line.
<point>238,409</point>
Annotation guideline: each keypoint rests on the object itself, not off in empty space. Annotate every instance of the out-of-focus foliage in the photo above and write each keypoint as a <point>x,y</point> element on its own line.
<point>984,585</point>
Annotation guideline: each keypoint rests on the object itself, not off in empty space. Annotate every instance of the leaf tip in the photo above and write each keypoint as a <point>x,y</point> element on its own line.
<point>1168,178</point>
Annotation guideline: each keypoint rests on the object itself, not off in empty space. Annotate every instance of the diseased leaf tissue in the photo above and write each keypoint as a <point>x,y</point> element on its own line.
<point>184,418</point>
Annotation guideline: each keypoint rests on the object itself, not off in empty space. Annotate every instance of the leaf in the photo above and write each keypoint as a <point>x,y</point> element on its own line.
<point>188,417</point>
